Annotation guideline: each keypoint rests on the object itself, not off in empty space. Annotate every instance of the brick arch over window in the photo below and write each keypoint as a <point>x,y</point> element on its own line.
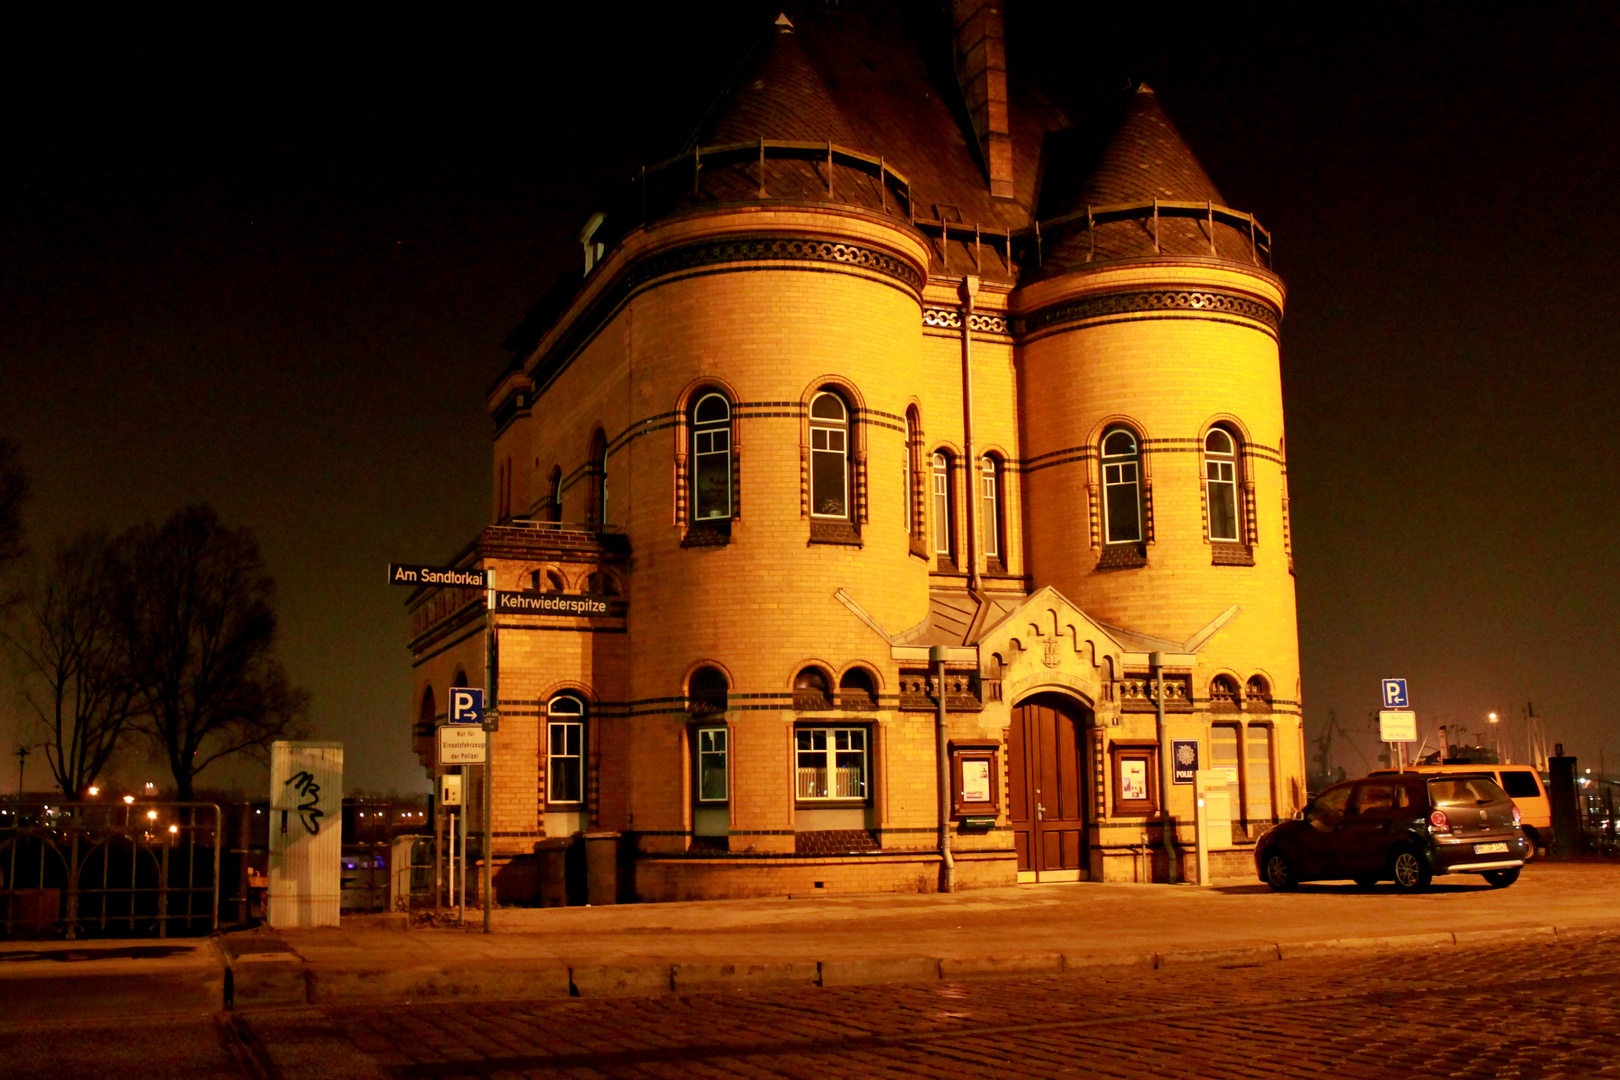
<point>858,688</point>
<point>833,455</point>
<point>1223,693</point>
<point>688,457</point>
<point>1121,496</point>
<point>812,688</point>
<point>1227,492</point>
<point>707,690</point>
<point>916,492</point>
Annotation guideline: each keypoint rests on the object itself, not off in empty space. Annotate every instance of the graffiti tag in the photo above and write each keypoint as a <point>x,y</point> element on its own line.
<point>309,812</point>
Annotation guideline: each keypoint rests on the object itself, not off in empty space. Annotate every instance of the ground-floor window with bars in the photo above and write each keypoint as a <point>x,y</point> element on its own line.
<point>832,763</point>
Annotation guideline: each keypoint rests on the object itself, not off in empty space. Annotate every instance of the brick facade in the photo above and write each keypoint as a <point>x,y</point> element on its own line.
<point>770,302</point>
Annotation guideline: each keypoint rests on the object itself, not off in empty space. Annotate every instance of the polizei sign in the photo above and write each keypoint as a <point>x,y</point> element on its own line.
<point>536,603</point>
<point>416,574</point>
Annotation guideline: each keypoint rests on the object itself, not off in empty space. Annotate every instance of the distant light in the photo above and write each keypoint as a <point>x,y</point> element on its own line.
<point>151,815</point>
<point>128,799</point>
<point>94,791</point>
<point>174,828</point>
<point>1492,718</point>
<point>150,784</point>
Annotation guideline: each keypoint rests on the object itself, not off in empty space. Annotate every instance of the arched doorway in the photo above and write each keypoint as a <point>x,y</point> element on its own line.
<point>1046,799</point>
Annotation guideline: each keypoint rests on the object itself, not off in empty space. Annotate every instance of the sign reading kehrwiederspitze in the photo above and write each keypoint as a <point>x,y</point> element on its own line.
<point>579,605</point>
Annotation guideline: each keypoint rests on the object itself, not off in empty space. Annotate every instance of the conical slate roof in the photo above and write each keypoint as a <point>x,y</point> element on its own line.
<point>778,95</point>
<point>1146,159</point>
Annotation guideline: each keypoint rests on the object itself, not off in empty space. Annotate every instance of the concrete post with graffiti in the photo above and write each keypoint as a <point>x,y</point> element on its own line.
<point>306,833</point>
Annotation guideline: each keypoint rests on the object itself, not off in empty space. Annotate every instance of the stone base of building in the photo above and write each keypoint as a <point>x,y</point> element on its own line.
<point>733,877</point>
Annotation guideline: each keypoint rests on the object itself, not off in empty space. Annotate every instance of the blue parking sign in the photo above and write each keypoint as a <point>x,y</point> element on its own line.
<point>1395,694</point>
<point>466,705</point>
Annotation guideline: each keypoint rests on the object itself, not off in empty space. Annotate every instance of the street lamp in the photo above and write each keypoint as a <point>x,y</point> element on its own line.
<point>1496,736</point>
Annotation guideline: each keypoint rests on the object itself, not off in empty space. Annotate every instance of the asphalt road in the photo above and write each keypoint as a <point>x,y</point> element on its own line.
<point>1508,1010</point>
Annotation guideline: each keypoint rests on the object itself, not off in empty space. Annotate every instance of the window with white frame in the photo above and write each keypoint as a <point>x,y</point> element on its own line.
<point>1122,487</point>
<point>1220,478</point>
<point>711,459</point>
<point>990,507</point>
<point>944,520</point>
<point>565,750</point>
<point>829,457</point>
<point>712,759</point>
<point>832,763</point>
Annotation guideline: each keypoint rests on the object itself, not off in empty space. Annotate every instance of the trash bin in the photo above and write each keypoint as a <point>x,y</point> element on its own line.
<point>602,868</point>
<point>551,862</point>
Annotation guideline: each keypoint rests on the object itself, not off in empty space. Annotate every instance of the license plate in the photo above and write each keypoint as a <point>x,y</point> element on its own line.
<point>1490,849</point>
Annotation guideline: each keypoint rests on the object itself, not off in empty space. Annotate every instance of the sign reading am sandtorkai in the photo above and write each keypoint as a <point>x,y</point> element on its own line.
<point>536,603</point>
<point>417,574</point>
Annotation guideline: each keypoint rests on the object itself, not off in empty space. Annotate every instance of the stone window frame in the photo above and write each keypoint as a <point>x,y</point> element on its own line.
<point>832,727</point>
<point>556,719</point>
<point>944,524</point>
<point>844,530</point>
<point>1224,552</point>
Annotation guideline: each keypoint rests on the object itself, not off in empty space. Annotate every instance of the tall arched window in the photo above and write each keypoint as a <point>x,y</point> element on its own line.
<point>554,496</point>
<point>990,513</point>
<point>597,508</point>
<point>427,718</point>
<point>711,458</point>
<point>1122,487</point>
<point>943,506</point>
<point>1221,483</point>
<point>565,749</point>
<point>909,469</point>
<point>829,457</point>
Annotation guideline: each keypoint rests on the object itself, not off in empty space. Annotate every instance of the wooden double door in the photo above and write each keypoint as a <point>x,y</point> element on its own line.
<point>1046,778</point>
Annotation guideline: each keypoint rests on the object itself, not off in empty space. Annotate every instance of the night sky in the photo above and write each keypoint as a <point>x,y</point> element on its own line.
<point>270,267</point>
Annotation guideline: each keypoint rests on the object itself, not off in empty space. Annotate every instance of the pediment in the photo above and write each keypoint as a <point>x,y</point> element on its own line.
<point>1048,642</point>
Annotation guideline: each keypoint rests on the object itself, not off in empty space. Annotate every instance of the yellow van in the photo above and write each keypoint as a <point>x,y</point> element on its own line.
<point>1523,786</point>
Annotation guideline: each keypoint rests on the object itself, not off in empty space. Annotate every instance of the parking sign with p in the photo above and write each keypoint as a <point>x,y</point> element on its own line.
<point>466,705</point>
<point>1395,694</point>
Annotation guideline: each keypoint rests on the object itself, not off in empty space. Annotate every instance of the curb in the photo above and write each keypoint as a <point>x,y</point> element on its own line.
<point>262,981</point>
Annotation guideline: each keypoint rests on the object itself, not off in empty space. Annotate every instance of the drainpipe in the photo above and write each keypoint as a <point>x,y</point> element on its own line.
<point>970,463</point>
<point>936,657</point>
<point>1168,825</point>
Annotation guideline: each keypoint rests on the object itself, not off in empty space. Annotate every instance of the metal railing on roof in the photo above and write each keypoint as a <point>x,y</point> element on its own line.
<point>891,182</point>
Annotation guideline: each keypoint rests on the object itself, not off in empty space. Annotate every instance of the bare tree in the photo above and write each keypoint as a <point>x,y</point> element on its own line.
<point>75,674</point>
<point>199,629</point>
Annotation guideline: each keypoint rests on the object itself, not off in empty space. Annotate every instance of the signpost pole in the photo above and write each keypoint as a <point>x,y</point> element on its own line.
<point>461,847</point>
<point>491,711</point>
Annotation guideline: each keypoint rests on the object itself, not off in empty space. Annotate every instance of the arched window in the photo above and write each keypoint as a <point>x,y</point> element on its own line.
<point>1223,692</point>
<point>1221,481</point>
<point>602,583</point>
<point>1122,487</point>
<point>990,515</point>
<point>553,510</point>
<point>706,691</point>
<point>910,469</point>
<point>597,507</point>
<point>856,690</point>
<point>829,457</point>
<point>427,717</point>
<point>1257,693</point>
<point>711,458</point>
<point>812,690</point>
<point>546,581</point>
<point>944,506</point>
<point>565,749</point>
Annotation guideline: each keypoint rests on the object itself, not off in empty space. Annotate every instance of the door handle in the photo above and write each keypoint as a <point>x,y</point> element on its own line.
<point>1040,812</point>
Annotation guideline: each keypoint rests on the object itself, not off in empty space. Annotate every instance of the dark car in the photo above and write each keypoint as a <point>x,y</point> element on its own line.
<point>1404,827</point>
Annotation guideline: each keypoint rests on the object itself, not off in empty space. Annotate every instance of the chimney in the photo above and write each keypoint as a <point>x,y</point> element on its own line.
<point>981,72</point>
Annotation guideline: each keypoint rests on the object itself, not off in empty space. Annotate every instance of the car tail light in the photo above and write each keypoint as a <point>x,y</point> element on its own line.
<point>1439,822</point>
<point>1516,815</point>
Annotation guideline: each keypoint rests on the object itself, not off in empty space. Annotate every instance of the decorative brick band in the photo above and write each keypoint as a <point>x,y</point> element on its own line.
<point>775,249</point>
<point>1165,300</point>
<point>951,318</point>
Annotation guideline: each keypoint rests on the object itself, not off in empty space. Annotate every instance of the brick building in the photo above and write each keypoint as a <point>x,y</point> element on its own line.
<point>886,368</point>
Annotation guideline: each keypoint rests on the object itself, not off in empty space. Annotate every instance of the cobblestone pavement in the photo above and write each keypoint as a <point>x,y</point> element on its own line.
<point>1511,1010</point>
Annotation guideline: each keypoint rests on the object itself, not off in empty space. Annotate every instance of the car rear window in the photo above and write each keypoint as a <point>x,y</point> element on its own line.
<point>1521,784</point>
<point>1464,791</point>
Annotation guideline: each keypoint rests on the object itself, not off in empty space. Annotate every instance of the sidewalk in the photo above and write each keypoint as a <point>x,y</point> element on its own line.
<point>645,949</point>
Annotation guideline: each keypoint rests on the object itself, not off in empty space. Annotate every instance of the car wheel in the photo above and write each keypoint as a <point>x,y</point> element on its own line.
<point>1501,879</point>
<point>1410,871</point>
<point>1365,881</point>
<point>1280,872</point>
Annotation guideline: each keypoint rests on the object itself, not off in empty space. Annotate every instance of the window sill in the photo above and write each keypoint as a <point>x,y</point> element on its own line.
<point>712,533</point>
<point>1227,554</point>
<point>834,532</point>
<point>831,804</point>
<point>1122,557</point>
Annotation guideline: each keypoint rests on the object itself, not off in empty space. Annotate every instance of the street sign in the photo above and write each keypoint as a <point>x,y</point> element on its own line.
<point>538,603</point>
<point>1397,725</point>
<point>466,705</point>
<point>462,744</point>
<point>1395,694</point>
<point>450,789</point>
<point>416,574</point>
<point>1184,758</point>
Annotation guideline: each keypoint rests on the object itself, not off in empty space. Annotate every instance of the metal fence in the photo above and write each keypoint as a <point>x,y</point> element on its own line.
<point>80,869</point>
